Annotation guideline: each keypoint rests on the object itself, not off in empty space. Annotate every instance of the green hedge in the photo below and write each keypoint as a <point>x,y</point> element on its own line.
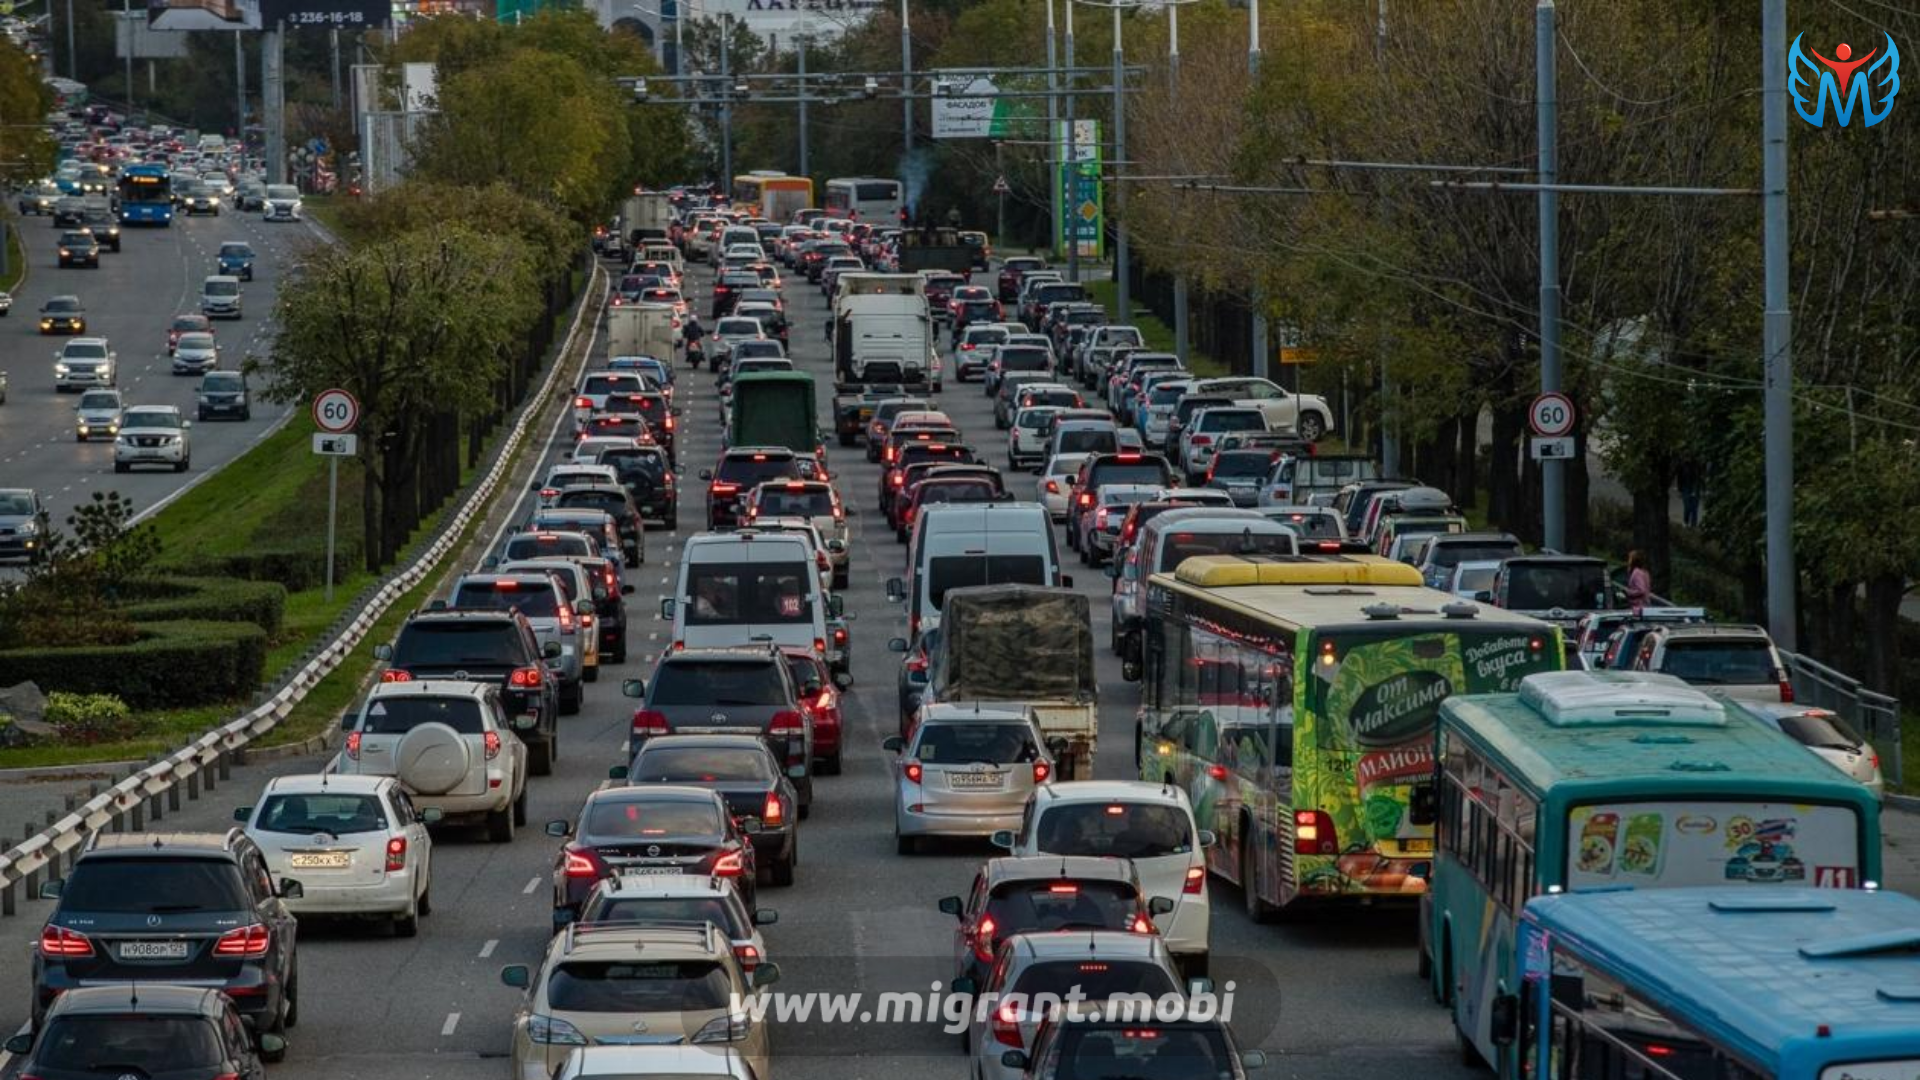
<point>173,599</point>
<point>295,569</point>
<point>173,664</point>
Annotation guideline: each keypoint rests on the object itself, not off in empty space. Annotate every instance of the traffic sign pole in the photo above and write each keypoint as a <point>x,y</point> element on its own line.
<point>335,412</point>
<point>333,516</point>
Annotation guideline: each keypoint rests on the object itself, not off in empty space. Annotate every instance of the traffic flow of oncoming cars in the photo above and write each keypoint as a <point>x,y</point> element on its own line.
<point>624,778</point>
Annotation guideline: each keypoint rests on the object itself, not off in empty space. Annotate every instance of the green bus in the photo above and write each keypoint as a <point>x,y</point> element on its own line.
<point>1612,780</point>
<point>1293,698</point>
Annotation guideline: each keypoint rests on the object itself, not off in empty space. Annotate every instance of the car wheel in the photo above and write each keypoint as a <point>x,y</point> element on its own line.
<point>592,674</point>
<point>830,766</point>
<point>570,698</point>
<point>245,415</point>
<point>407,925</point>
<point>181,465</point>
<point>1258,910</point>
<point>1312,427</point>
<point>425,906</point>
<point>906,845</point>
<point>119,466</point>
<point>540,758</point>
<point>840,580</point>
<point>77,437</point>
<point>500,826</point>
<point>202,415</point>
<point>1194,967</point>
<point>846,439</point>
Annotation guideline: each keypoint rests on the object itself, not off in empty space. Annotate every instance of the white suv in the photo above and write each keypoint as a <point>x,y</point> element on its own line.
<point>153,435</point>
<point>83,362</point>
<point>450,744</point>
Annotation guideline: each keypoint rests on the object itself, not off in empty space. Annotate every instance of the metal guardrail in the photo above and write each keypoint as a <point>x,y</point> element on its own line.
<point>207,759</point>
<point>1873,714</point>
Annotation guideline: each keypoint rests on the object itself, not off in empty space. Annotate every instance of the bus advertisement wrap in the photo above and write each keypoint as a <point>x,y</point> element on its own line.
<point>1671,844</point>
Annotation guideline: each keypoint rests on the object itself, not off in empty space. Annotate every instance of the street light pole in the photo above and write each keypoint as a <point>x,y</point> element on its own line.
<point>800,50</point>
<point>1070,173</point>
<point>1055,178</point>
<point>726,103</point>
<point>126,19</point>
<point>1553,492</point>
<point>73,62</point>
<point>1261,360</point>
<point>1123,300</point>
<point>1180,329</point>
<point>1782,580</point>
<point>906,82</point>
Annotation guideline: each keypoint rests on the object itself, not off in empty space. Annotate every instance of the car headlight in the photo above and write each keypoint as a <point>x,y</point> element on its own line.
<point>60,369</point>
<point>27,528</point>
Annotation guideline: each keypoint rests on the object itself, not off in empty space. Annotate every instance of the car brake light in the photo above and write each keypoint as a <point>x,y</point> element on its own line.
<point>772,812</point>
<point>1313,833</point>
<point>60,941</point>
<point>1006,1025</point>
<point>1041,771</point>
<point>914,772</point>
<point>1786,689</point>
<point>396,854</point>
<point>729,864</point>
<point>353,746</point>
<point>1196,879</point>
<point>1086,498</point>
<point>492,740</point>
<point>244,941</point>
<point>1126,457</point>
<point>749,957</point>
<point>648,722</point>
<point>583,403</point>
<point>983,939</point>
<point>1201,440</point>
<point>396,675</point>
<point>526,676</point>
<point>719,487</point>
<point>566,617</point>
<point>584,863</point>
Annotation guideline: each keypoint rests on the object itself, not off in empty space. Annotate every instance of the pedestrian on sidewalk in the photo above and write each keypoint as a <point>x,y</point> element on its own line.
<point>1639,580</point>
<point>1689,479</point>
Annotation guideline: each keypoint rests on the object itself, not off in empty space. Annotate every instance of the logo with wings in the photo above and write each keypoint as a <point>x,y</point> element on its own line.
<point>1868,82</point>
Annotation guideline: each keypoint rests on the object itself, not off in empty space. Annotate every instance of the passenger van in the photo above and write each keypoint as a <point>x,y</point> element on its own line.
<point>748,586</point>
<point>1174,536</point>
<point>664,253</point>
<point>959,544</point>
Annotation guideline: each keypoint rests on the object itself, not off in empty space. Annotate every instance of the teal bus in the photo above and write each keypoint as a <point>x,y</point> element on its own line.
<point>1722,983</point>
<point>1613,780</point>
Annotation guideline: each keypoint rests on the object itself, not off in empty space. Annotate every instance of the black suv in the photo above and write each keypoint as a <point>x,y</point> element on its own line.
<point>616,501</point>
<point>197,908</point>
<point>734,691</point>
<point>491,647</point>
<point>180,1032</point>
<point>742,469</point>
<point>647,474</point>
<point>104,226</point>
<point>1123,467</point>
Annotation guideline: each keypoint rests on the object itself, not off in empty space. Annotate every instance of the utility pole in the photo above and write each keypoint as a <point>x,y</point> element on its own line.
<point>1070,173</point>
<point>800,51</point>
<point>1000,175</point>
<point>906,83</point>
<point>240,87</point>
<point>1389,437</point>
<point>1180,329</point>
<point>1261,360</point>
<point>334,45</point>
<point>1121,287</point>
<point>273,101</point>
<point>73,55</point>
<point>1055,176</point>
<point>126,20</point>
<point>726,103</point>
<point>1553,479</point>
<point>1782,580</point>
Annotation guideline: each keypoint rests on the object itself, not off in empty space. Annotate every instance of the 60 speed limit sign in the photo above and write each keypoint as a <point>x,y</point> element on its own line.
<point>335,411</point>
<point>1551,416</point>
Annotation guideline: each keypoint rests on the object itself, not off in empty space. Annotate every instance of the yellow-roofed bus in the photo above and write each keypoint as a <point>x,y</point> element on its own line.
<point>1294,699</point>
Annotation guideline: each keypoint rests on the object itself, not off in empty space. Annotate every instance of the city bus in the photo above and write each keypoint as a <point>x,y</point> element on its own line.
<point>772,195</point>
<point>864,198</point>
<point>146,195</point>
<point>1294,697</point>
<point>1720,984</point>
<point>1614,780</point>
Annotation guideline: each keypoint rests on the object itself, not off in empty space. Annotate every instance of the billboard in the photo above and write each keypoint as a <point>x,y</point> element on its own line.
<point>146,42</point>
<point>1081,198</point>
<point>203,14</point>
<point>964,109</point>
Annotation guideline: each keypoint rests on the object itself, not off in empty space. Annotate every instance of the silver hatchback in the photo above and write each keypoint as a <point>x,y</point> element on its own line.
<point>966,771</point>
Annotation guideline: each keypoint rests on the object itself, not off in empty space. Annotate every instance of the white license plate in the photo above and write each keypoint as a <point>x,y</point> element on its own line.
<point>973,781</point>
<point>320,860</point>
<point>631,869</point>
<point>153,950</point>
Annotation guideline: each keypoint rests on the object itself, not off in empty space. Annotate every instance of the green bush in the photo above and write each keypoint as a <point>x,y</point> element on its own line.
<point>85,719</point>
<point>294,569</point>
<point>172,664</point>
<point>171,599</point>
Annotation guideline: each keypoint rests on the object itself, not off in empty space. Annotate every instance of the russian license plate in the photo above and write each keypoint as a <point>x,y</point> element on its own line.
<point>973,781</point>
<point>153,950</point>
<point>320,860</point>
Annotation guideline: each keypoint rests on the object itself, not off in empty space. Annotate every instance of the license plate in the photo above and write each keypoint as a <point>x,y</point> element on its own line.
<point>973,781</point>
<point>1417,847</point>
<point>153,950</point>
<point>320,860</point>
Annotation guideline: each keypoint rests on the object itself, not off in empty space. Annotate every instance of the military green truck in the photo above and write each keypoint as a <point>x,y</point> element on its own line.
<point>774,408</point>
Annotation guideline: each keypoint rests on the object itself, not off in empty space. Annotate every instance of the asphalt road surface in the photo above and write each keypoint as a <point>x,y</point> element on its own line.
<point>1334,998</point>
<point>130,300</point>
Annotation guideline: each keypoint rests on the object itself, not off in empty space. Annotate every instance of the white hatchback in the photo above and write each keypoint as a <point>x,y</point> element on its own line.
<point>355,843</point>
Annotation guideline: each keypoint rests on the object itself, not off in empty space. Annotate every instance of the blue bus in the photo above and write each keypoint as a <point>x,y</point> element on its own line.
<point>1614,780</point>
<point>1720,983</point>
<point>146,195</point>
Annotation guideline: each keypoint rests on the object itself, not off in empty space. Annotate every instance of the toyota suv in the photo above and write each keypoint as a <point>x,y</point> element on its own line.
<point>197,908</point>
<point>543,601</point>
<point>747,690</point>
<point>497,647</point>
<point>84,362</point>
<point>452,744</point>
<point>740,470</point>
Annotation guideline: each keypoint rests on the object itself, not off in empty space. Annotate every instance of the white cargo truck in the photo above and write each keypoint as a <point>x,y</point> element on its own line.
<point>645,216</point>
<point>882,332</point>
<point>643,330</point>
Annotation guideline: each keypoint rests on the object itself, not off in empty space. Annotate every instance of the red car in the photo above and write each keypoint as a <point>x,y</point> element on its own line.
<point>820,695</point>
<point>186,324</point>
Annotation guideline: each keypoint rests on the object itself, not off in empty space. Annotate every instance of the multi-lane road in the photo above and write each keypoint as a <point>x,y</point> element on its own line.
<point>1335,996</point>
<point>130,300</point>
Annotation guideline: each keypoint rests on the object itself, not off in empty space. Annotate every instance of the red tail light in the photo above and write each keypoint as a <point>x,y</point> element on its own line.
<point>60,941</point>
<point>584,863</point>
<point>583,403</point>
<point>353,746</point>
<point>914,772</point>
<point>1313,833</point>
<point>1006,1025</point>
<point>649,722</point>
<point>1196,880</point>
<point>1041,771</point>
<point>1786,690</point>
<point>1086,498</point>
<point>787,722</point>
<point>566,617</point>
<point>1141,925</point>
<point>396,675</point>
<point>772,812</point>
<point>1201,440</point>
<point>525,677</point>
<point>396,854</point>
<point>492,739</point>
<point>721,488</point>
<point>839,636</point>
<point>251,941</point>
<point>917,663</point>
<point>749,957</point>
<point>729,864</point>
<point>983,939</point>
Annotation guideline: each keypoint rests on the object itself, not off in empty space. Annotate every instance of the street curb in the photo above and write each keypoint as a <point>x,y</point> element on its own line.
<point>92,770</point>
<point>1908,804</point>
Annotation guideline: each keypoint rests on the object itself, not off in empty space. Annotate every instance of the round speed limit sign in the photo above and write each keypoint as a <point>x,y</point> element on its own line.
<point>335,411</point>
<point>1551,416</point>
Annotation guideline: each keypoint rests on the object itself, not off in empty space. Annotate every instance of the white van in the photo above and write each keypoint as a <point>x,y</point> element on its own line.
<point>746,586</point>
<point>664,253</point>
<point>959,544</point>
<point>1174,536</point>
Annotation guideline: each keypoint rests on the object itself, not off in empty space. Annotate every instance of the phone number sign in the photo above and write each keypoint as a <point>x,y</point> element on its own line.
<point>344,13</point>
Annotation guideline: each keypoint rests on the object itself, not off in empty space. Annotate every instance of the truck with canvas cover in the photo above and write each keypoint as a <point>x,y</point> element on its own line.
<point>881,331</point>
<point>1022,643</point>
<point>935,249</point>
<point>774,408</point>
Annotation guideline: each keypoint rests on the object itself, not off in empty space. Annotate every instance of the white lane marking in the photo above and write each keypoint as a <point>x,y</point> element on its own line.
<point>487,949</point>
<point>531,885</point>
<point>453,1021</point>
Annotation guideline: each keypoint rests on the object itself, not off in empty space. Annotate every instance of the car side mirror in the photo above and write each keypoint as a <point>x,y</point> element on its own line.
<point>583,607</point>
<point>836,546</point>
<point>383,652</point>
<point>893,744</point>
<point>1253,1059</point>
<point>843,679</point>
<point>706,474</point>
<point>272,1045</point>
<point>20,1045</point>
<point>836,606</point>
<point>896,590</point>
<point>1160,905</point>
<point>1198,987</point>
<point>1422,805</point>
<point>52,888</point>
<point>666,607</point>
<point>559,830</point>
<point>550,651</point>
<point>1484,596</point>
<point>626,589</point>
<point>750,826</point>
<point>517,976</point>
<point>964,984</point>
<point>765,916</point>
<point>1114,569</point>
<point>489,562</point>
<point>766,975</point>
<point>1066,581</point>
<point>291,889</point>
<point>1014,1059</point>
<point>1503,1020</point>
<point>798,772</point>
<point>949,905</point>
<point>633,688</point>
<point>1004,838</point>
<point>242,813</point>
<point>432,815</point>
<point>524,722</point>
<point>898,644</point>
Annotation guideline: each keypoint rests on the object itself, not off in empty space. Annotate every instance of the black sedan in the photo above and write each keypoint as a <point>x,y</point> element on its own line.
<point>742,770</point>
<point>650,829</point>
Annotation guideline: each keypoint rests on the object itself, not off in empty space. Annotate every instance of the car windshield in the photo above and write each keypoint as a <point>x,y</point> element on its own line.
<point>632,461</point>
<point>1252,464</point>
<point>955,491</point>
<point>970,743</point>
<point>1184,545</point>
<point>1476,579</point>
<point>1233,420</point>
<point>1096,980</point>
<point>534,599</point>
<point>699,764</point>
<point>282,191</point>
<point>544,545</point>
<point>1026,906</point>
<point>1023,359</point>
<point>730,592</point>
<point>738,327</point>
<point>959,571</point>
<point>235,251</point>
<point>400,714</point>
<point>1114,830</point>
<point>488,643</point>
<point>1822,730</point>
<point>200,340</point>
<point>321,812</point>
<point>1576,587</point>
<point>1709,663</point>
<point>84,350</point>
<point>715,682</point>
<point>124,1042</point>
<point>62,305</point>
<point>636,817</point>
<point>985,335</point>
<point>154,886</point>
<point>750,469</point>
<point>1090,440</point>
<point>99,399</point>
<point>1143,1053</point>
<point>152,418</point>
<point>631,986</point>
<point>1488,551</point>
<point>1130,472</point>
<point>611,383</point>
<point>786,502</point>
<point>682,909</point>
<point>190,322</point>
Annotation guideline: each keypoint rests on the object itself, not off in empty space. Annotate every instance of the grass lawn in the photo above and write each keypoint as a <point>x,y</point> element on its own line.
<point>325,209</point>
<point>1158,334</point>
<point>16,262</point>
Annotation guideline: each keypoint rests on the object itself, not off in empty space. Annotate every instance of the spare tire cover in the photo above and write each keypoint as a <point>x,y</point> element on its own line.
<point>432,759</point>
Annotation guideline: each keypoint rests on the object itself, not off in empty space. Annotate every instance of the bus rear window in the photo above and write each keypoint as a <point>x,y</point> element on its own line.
<point>1688,843</point>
